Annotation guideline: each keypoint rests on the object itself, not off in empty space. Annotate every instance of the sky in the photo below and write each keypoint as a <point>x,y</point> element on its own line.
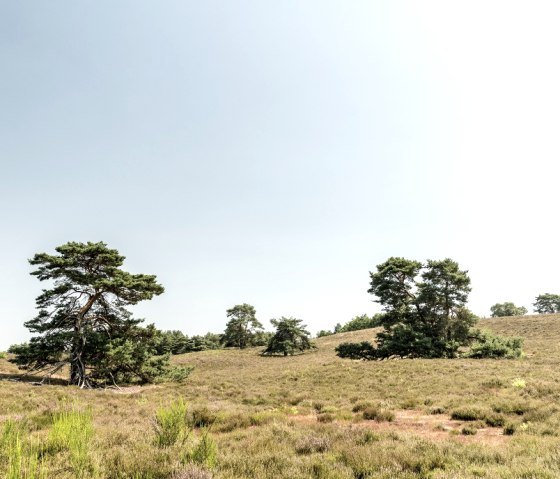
<point>274,153</point>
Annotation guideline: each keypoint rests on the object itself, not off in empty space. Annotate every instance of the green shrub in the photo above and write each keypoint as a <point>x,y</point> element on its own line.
<point>325,417</point>
<point>488,345</point>
<point>176,374</point>
<point>3,355</point>
<point>512,407</point>
<point>205,452</point>
<point>469,430</point>
<point>363,350</point>
<point>509,429</point>
<point>495,420</point>
<point>468,413</point>
<point>318,406</point>
<point>378,414</point>
<point>170,424</point>
<point>202,417</point>
<point>361,405</point>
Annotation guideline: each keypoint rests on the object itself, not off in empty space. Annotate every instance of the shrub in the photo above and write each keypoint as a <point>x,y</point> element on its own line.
<point>468,414</point>
<point>509,429</point>
<point>318,406</point>
<point>368,437</point>
<point>176,374</point>
<point>512,407</point>
<point>361,405</point>
<point>205,451</point>
<point>469,430</point>
<point>202,417</point>
<point>326,417</point>
<point>490,346</point>
<point>3,355</point>
<point>311,444</point>
<point>170,424</point>
<point>495,420</point>
<point>363,350</point>
<point>378,414</point>
<point>438,410</point>
<point>519,383</point>
<point>493,383</point>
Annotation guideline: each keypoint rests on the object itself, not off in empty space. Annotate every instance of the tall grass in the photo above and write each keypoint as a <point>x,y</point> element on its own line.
<point>72,430</point>
<point>22,460</point>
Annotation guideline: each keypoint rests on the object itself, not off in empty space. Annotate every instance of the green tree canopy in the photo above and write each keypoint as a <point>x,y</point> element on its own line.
<point>243,328</point>
<point>425,307</point>
<point>507,309</point>
<point>290,337</point>
<point>547,303</point>
<point>83,321</point>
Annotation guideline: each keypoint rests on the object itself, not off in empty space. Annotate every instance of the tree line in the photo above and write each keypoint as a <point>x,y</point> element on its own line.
<point>546,303</point>
<point>83,323</point>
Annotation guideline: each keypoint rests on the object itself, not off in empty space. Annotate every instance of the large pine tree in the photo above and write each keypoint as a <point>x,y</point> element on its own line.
<point>83,321</point>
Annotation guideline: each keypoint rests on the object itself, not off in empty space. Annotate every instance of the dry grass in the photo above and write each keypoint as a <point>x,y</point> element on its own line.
<point>264,415</point>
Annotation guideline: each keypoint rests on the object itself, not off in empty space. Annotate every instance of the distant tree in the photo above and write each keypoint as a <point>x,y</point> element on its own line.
<point>82,320</point>
<point>337,328</point>
<point>547,303</point>
<point>290,337</point>
<point>242,327</point>
<point>175,342</point>
<point>324,332</point>
<point>507,309</point>
<point>361,322</point>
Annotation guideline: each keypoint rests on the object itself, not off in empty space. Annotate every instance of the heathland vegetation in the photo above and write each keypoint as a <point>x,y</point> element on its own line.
<point>119,400</point>
<point>308,416</point>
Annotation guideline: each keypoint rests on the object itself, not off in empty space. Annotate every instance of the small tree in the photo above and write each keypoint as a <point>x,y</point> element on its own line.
<point>290,337</point>
<point>82,320</point>
<point>242,327</point>
<point>507,309</point>
<point>547,303</point>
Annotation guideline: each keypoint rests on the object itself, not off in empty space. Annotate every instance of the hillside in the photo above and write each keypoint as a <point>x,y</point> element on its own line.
<point>303,416</point>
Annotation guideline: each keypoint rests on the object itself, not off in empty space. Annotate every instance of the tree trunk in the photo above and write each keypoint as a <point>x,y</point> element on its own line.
<point>77,366</point>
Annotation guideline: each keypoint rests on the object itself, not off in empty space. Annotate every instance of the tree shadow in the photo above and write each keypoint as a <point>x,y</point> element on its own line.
<point>33,379</point>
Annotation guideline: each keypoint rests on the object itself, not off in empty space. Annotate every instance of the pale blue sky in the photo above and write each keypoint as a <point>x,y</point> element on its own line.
<point>275,152</point>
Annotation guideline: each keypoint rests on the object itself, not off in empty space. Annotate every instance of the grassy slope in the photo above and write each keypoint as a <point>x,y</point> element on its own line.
<point>268,426</point>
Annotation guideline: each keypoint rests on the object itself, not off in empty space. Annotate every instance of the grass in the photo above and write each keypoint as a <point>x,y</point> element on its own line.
<point>239,415</point>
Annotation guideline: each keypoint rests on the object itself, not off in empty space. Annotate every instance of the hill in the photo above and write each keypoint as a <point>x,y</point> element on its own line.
<point>319,416</point>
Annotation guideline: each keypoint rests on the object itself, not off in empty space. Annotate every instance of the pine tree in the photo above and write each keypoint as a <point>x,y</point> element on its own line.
<point>243,326</point>
<point>290,337</point>
<point>83,321</point>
